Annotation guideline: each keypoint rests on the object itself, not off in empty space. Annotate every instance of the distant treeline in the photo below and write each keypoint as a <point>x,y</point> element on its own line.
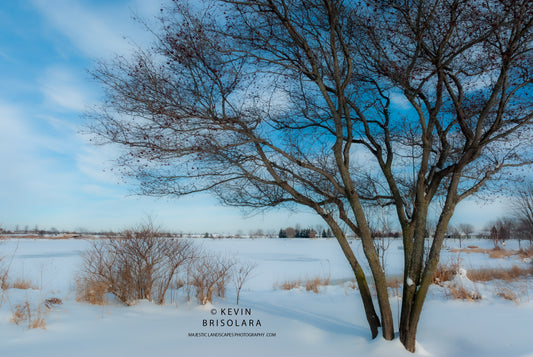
<point>304,233</point>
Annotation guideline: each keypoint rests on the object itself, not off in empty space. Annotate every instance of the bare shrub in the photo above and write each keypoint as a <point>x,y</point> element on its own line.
<point>507,293</point>
<point>240,276</point>
<point>23,313</point>
<point>141,264</point>
<point>209,275</point>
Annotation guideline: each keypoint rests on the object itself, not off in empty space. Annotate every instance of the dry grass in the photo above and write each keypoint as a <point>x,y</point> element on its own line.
<point>469,249</point>
<point>289,284</point>
<point>488,274</point>
<point>507,293</point>
<point>352,284</point>
<point>443,273</point>
<point>91,291</point>
<point>39,323</point>
<point>315,283</point>
<point>526,253</point>
<point>312,284</point>
<point>23,313</point>
<point>4,274</point>
<point>446,272</point>
<point>21,283</point>
<point>496,253</point>
<point>50,303</point>
<point>455,292</point>
<point>395,284</point>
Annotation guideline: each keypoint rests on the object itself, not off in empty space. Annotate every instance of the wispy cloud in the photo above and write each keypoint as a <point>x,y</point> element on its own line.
<point>96,162</point>
<point>27,167</point>
<point>62,88</point>
<point>97,30</point>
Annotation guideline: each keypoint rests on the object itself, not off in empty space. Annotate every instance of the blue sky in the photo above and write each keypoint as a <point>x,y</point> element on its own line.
<point>50,175</point>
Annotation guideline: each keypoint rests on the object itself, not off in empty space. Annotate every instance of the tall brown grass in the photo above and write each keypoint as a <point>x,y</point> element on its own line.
<point>315,283</point>
<point>512,274</point>
<point>497,252</point>
<point>459,292</point>
<point>22,283</point>
<point>289,284</point>
<point>312,284</point>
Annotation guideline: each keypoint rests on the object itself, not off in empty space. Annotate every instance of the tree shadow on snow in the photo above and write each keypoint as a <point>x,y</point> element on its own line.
<point>321,320</point>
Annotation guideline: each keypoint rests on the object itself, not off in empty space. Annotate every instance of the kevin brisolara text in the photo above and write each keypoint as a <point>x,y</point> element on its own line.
<point>231,323</point>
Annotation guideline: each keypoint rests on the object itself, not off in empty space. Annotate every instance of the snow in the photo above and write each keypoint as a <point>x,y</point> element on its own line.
<point>330,323</point>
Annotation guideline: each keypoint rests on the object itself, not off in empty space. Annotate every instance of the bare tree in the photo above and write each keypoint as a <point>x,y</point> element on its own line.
<point>139,265</point>
<point>523,207</point>
<point>240,276</point>
<point>467,229</point>
<point>334,105</point>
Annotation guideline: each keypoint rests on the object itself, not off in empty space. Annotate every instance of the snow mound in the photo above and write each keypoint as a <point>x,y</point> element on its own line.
<point>461,280</point>
<point>462,287</point>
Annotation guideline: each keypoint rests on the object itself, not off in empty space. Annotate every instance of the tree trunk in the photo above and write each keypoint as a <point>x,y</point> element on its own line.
<point>415,290</point>
<point>371,315</point>
<point>380,281</point>
<point>366,296</point>
<point>408,338</point>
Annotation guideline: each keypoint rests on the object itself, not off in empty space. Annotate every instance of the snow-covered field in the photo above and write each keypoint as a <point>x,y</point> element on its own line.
<point>292,323</point>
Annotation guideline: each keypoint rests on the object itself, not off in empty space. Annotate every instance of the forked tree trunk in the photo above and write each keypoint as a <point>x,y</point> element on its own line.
<point>414,293</point>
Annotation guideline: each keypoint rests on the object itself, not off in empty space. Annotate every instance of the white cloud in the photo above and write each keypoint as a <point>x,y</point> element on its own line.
<point>62,88</point>
<point>96,162</point>
<point>25,172</point>
<point>400,101</point>
<point>96,30</point>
